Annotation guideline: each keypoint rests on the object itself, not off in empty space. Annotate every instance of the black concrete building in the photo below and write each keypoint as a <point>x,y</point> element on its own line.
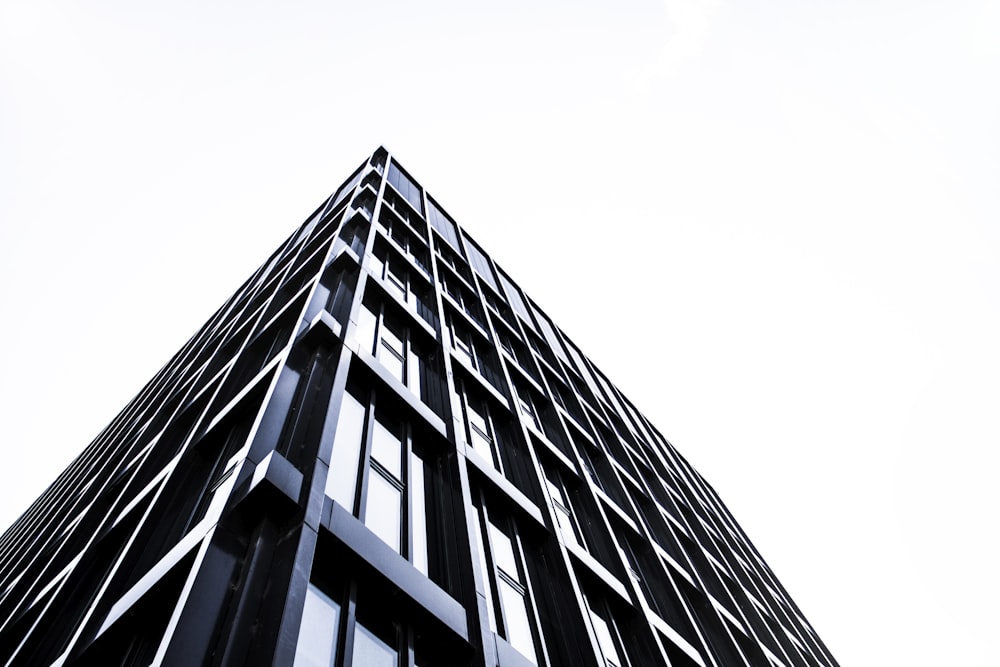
<point>381,451</point>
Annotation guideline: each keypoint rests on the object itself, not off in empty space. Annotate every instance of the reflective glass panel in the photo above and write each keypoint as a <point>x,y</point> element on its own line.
<point>605,641</point>
<point>392,361</point>
<point>392,341</point>
<point>481,445</point>
<point>413,363</point>
<point>503,552</point>
<point>317,643</point>
<point>476,417</point>
<point>516,616</point>
<point>383,511</point>
<point>418,514</point>
<point>386,448</point>
<point>395,277</point>
<point>481,549</point>
<point>370,651</point>
<point>341,483</point>
<point>462,347</point>
<point>365,333</point>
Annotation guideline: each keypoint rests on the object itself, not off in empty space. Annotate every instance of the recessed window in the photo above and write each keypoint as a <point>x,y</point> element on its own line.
<point>393,504</point>
<point>384,337</point>
<point>565,517</point>
<point>406,187</point>
<point>609,641</point>
<point>481,430</point>
<point>370,651</point>
<point>317,644</point>
<point>526,405</point>
<point>512,611</point>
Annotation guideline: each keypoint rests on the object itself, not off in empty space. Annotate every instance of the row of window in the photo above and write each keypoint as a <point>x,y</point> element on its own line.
<point>386,467</point>
<point>479,433</point>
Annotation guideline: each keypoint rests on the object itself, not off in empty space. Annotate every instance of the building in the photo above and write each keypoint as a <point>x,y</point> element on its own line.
<point>380,451</point>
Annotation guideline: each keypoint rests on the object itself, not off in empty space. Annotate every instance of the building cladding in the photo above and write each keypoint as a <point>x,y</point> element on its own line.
<point>381,451</point>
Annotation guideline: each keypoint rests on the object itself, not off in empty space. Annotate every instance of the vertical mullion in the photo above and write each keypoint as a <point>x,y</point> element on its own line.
<point>364,466</point>
<point>349,623</point>
<point>406,519</point>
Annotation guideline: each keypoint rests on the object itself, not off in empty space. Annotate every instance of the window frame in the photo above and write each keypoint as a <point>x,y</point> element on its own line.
<point>490,436</point>
<point>519,582</point>
<point>398,326</point>
<point>411,482</point>
<point>564,508</point>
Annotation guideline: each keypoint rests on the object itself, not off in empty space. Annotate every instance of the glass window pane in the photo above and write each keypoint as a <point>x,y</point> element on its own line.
<point>370,651</point>
<point>443,225</point>
<point>342,481</point>
<point>481,265</point>
<point>481,549</point>
<point>395,276</point>
<point>475,412</point>
<point>413,364</point>
<point>365,333</point>
<point>383,510</point>
<point>605,641</point>
<point>386,448</point>
<point>481,445</point>
<point>514,297</point>
<point>516,616</point>
<point>565,521</point>
<point>503,553</point>
<point>317,643</point>
<point>418,514</point>
<point>392,361</point>
<point>392,341</point>
<point>555,492</point>
<point>462,344</point>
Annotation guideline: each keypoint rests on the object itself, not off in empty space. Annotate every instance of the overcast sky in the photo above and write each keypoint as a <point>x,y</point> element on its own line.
<point>776,226</point>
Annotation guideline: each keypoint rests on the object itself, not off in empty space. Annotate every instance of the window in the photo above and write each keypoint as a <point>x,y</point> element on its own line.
<point>540,348</point>
<point>514,298</point>
<point>453,261</point>
<point>481,431</point>
<point>511,610</point>
<point>526,405</point>
<point>499,307</point>
<point>443,224</point>
<point>475,354</point>
<point>402,235</point>
<point>462,297</point>
<point>461,341</point>
<point>350,184</point>
<point>481,264</point>
<point>393,485</point>
<point>565,518</point>
<point>399,278</point>
<point>383,337</point>
<point>550,335</point>
<point>608,640</point>
<point>317,644</point>
<point>371,651</point>
<point>355,234</point>
<point>393,271</point>
<point>368,633</point>
<point>518,352</point>
<point>406,187</point>
<point>348,443</point>
<point>335,292</point>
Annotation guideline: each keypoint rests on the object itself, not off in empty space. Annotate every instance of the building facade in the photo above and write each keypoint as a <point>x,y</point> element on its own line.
<point>381,451</point>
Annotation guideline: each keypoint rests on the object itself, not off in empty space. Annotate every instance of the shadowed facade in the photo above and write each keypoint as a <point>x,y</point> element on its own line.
<point>381,451</point>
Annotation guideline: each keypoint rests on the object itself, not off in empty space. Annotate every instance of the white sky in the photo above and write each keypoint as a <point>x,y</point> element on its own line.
<point>798,200</point>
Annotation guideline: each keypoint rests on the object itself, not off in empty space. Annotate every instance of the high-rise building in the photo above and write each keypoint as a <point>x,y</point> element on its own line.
<point>381,451</point>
